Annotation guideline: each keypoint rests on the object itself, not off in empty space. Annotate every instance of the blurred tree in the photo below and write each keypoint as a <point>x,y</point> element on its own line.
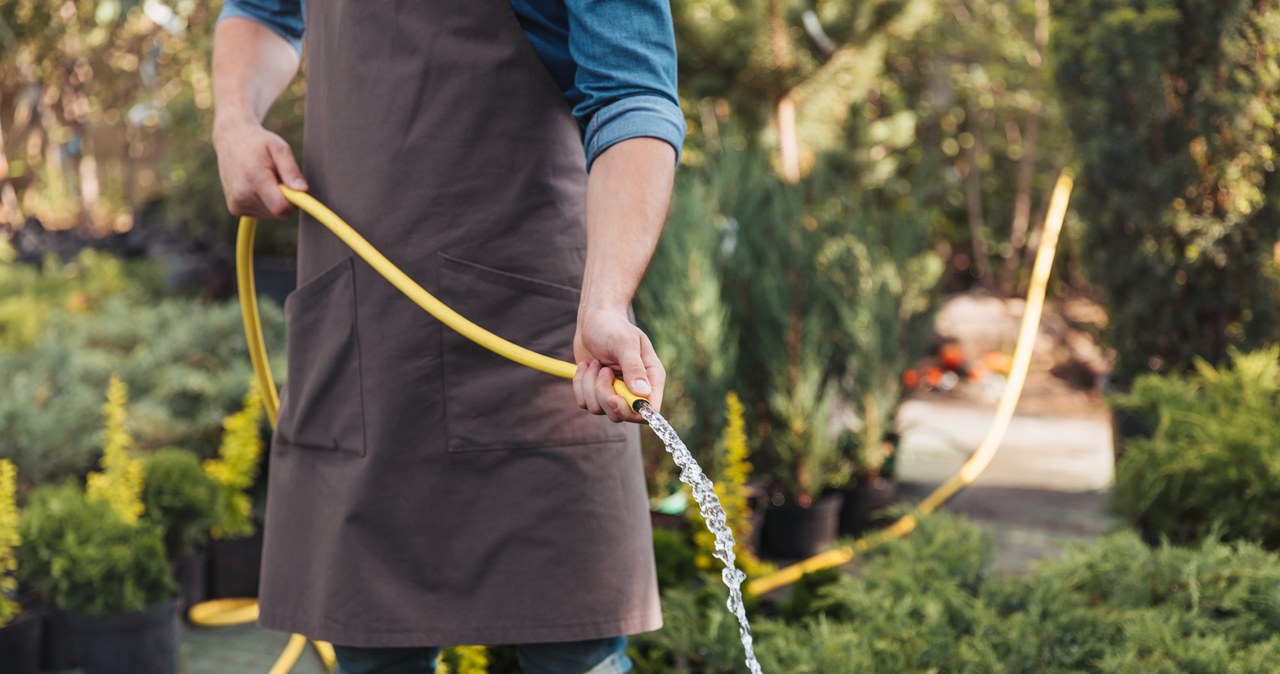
<point>105,106</point>
<point>949,101</point>
<point>963,115</point>
<point>752,59</point>
<point>1174,107</point>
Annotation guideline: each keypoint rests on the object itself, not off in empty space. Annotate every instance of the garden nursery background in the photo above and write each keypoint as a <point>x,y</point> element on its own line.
<point>850,169</point>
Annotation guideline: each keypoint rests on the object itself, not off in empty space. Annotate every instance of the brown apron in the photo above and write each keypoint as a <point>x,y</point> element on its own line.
<point>423,491</point>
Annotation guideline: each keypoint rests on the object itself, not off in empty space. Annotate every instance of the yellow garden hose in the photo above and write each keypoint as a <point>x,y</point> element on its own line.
<point>990,443</point>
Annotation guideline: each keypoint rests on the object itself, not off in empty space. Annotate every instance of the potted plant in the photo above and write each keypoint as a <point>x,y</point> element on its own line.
<point>183,501</point>
<point>883,276</point>
<point>236,553</point>
<point>110,578</point>
<point>89,552</point>
<point>803,513</point>
<point>873,487</point>
<point>19,628</point>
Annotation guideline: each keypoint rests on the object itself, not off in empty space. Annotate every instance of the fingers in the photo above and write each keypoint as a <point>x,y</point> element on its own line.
<point>281,168</point>
<point>634,373</point>
<point>593,391</point>
<point>286,167</point>
<point>613,405</point>
<point>656,372</point>
<point>584,386</point>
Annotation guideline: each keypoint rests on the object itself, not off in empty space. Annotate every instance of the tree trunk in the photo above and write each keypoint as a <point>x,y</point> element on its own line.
<point>1027,165</point>
<point>785,108</point>
<point>788,143</point>
<point>10,210</point>
<point>977,222</point>
<point>1022,202</point>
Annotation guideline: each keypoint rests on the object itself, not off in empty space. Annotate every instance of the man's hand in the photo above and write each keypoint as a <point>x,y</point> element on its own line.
<point>607,343</point>
<point>251,66</point>
<point>252,162</point>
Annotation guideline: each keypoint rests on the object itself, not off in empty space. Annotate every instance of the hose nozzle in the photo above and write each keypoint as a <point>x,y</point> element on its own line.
<point>633,401</point>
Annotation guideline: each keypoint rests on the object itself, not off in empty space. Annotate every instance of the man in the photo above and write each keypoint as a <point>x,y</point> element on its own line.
<point>424,492</point>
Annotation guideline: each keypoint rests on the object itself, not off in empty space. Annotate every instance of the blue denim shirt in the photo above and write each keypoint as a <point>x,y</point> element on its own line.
<point>614,61</point>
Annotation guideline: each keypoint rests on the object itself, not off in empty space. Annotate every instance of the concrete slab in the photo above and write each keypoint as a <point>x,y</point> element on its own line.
<point>1046,487</point>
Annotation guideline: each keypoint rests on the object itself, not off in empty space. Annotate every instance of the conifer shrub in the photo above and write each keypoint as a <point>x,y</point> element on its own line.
<point>10,539</point>
<point>118,483</point>
<point>82,555</point>
<point>236,467</point>
<point>1211,466</point>
<point>927,603</point>
<point>32,296</point>
<point>1174,109</point>
<point>808,299</point>
<point>185,364</point>
<point>181,499</point>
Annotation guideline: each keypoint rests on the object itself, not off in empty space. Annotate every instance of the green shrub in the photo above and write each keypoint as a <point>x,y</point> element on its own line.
<point>925,604</point>
<point>31,297</point>
<point>235,468</point>
<point>675,557</point>
<point>1173,107</point>
<point>180,499</point>
<point>10,539</point>
<point>185,364</point>
<point>80,554</point>
<point>1212,462</point>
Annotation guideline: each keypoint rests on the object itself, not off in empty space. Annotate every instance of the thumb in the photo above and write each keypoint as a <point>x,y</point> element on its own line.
<point>634,374</point>
<point>286,167</point>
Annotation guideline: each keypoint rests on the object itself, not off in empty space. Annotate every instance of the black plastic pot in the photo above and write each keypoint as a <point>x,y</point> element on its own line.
<point>145,642</point>
<point>235,566</point>
<point>20,644</point>
<point>793,531</point>
<point>191,573</point>
<point>58,649</point>
<point>863,506</point>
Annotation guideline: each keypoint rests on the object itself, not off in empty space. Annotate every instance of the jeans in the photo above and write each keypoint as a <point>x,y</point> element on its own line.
<point>597,656</point>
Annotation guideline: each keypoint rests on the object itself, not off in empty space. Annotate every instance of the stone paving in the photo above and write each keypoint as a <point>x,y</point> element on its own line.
<point>1046,487</point>
<point>245,649</point>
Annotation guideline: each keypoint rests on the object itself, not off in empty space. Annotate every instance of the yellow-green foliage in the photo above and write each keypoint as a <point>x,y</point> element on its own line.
<point>733,468</point>
<point>9,540</point>
<point>30,296</point>
<point>236,467</point>
<point>119,483</point>
<point>463,660</point>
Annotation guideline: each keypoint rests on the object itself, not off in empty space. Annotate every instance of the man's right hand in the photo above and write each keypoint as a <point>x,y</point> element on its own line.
<point>252,161</point>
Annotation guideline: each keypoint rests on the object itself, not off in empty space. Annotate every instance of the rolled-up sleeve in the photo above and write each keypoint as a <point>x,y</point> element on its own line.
<point>625,55</point>
<point>283,17</point>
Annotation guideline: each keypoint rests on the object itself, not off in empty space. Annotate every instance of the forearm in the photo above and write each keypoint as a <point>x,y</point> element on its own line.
<point>628,193</point>
<point>251,67</point>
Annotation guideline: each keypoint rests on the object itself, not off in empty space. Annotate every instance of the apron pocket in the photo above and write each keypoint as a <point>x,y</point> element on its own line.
<point>322,403</point>
<point>492,403</point>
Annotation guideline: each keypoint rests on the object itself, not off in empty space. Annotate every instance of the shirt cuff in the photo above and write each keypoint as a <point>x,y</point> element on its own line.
<point>232,10</point>
<point>634,117</point>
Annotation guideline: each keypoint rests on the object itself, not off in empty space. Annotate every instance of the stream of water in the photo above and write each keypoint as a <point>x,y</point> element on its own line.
<point>704,494</point>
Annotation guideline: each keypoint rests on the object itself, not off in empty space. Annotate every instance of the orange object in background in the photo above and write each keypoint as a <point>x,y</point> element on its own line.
<point>951,356</point>
<point>997,362</point>
<point>933,377</point>
<point>911,379</point>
